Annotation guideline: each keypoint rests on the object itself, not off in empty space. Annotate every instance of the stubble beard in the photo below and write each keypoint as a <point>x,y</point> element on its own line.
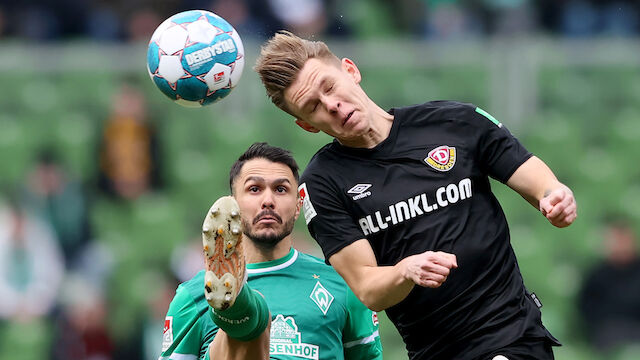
<point>269,241</point>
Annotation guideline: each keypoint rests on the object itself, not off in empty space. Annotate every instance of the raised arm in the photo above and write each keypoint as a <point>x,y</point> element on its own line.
<point>380,287</point>
<point>535,182</point>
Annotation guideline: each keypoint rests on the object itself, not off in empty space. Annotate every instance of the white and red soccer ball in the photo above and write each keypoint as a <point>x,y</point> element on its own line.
<point>195,58</point>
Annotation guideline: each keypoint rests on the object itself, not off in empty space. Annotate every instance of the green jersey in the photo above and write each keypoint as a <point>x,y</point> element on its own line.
<point>314,314</point>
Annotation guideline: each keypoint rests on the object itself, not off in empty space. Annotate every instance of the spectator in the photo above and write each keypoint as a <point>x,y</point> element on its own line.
<point>56,197</point>
<point>142,23</point>
<point>81,331</point>
<point>449,20</point>
<point>251,19</point>
<point>609,300</point>
<point>103,22</point>
<point>596,17</point>
<point>510,17</point>
<point>306,17</point>
<point>129,160</point>
<point>309,17</point>
<point>31,265</point>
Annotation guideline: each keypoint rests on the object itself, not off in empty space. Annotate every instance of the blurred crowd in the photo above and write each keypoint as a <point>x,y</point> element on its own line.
<point>56,277</point>
<point>54,274</point>
<point>609,300</point>
<point>133,20</point>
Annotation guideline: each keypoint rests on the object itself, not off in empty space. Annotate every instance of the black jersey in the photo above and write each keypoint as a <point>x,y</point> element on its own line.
<point>426,187</point>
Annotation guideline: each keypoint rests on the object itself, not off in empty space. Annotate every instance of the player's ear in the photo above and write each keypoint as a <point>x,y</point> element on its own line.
<point>350,67</point>
<point>306,126</point>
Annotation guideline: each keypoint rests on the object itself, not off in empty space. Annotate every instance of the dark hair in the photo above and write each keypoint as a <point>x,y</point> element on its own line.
<point>264,151</point>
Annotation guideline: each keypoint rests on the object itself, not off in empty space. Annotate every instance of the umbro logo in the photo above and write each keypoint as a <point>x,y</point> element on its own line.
<point>360,191</point>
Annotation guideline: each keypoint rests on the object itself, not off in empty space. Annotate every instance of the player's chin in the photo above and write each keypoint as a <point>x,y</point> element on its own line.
<point>267,232</point>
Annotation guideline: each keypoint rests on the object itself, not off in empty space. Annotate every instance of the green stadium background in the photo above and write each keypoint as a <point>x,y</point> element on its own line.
<point>574,104</point>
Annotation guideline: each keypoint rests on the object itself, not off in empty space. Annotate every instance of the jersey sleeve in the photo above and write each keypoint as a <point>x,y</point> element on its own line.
<point>329,223</point>
<point>182,334</point>
<point>499,152</point>
<point>361,338</point>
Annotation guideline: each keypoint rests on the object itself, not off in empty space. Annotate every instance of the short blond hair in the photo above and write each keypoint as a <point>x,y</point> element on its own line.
<point>281,59</point>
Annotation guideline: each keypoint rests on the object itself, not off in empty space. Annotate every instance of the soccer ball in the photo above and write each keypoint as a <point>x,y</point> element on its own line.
<point>195,58</point>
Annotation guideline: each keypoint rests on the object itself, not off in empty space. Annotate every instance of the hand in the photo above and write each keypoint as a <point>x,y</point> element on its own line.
<point>559,207</point>
<point>429,269</point>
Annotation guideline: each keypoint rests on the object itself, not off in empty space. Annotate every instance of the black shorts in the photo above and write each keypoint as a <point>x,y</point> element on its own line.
<point>524,349</point>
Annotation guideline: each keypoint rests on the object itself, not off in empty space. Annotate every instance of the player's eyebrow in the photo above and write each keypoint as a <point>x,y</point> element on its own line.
<point>260,179</point>
<point>281,181</point>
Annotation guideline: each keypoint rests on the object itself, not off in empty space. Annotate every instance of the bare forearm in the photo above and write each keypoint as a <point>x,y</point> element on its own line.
<point>382,287</point>
<point>534,199</point>
<point>378,287</point>
<point>533,180</point>
<point>536,183</point>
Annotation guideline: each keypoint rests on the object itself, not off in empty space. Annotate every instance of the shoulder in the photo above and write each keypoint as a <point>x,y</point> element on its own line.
<point>325,169</point>
<point>190,293</point>
<point>195,282</point>
<point>313,260</point>
<point>324,154</point>
<point>452,117</point>
<point>319,265</point>
<point>326,272</point>
<point>187,325</point>
<point>437,110</point>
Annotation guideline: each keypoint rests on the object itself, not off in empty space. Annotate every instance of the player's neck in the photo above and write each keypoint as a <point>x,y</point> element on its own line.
<point>255,253</point>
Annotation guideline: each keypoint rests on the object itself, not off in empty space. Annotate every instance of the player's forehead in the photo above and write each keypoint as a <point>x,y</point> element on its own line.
<point>314,72</point>
<point>261,170</point>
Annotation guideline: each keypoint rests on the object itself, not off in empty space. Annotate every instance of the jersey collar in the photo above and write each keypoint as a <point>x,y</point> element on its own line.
<point>273,265</point>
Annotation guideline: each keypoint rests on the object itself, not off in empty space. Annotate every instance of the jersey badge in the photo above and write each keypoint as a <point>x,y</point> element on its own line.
<point>287,340</point>
<point>167,333</point>
<point>441,158</point>
<point>359,191</point>
<point>322,297</point>
<point>307,206</point>
<point>374,318</point>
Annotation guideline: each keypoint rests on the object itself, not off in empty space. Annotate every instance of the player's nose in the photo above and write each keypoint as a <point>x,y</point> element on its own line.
<point>332,104</point>
<point>268,200</point>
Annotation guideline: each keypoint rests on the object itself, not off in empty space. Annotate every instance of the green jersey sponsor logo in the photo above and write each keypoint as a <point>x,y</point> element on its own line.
<point>286,340</point>
<point>322,297</point>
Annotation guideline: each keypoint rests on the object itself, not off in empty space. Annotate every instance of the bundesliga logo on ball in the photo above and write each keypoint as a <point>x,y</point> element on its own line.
<point>195,58</point>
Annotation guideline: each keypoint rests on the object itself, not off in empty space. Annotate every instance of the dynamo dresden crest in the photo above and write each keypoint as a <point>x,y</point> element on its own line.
<point>441,158</point>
